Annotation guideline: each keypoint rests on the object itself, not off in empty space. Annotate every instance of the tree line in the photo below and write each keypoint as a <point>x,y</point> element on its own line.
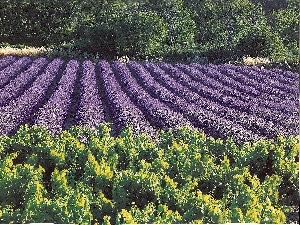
<point>145,28</point>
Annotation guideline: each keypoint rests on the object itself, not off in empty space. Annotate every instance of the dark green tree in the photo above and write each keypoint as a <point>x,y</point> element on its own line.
<point>36,22</point>
<point>181,26</point>
<point>140,34</point>
<point>222,23</point>
<point>95,26</point>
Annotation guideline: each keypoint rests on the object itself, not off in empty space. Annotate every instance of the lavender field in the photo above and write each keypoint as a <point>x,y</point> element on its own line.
<point>245,103</point>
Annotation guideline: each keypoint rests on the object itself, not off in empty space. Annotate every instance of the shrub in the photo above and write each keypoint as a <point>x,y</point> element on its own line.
<point>140,34</point>
<point>221,26</point>
<point>286,23</point>
<point>95,27</point>
<point>36,23</point>
<point>180,24</point>
<point>98,39</point>
<point>261,42</point>
<point>185,177</point>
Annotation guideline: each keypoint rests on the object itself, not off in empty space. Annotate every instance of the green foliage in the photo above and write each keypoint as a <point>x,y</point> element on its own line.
<point>286,23</point>
<point>36,22</point>
<point>181,26</point>
<point>270,5</point>
<point>262,42</point>
<point>95,39</point>
<point>174,30</point>
<point>140,34</point>
<point>220,25</point>
<point>95,27</point>
<point>283,19</point>
<point>150,214</point>
<point>87,176</point>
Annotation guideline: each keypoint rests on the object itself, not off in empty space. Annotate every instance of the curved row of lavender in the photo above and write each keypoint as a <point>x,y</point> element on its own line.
<point>54,112</point>
<point>18,85</point>
<point>158,114</point>
<point>241,102</point>
<point>199,116</point>
<point>90,111</point>
<point>255,106</point>
<point>6,61</point>
<point>120,108</point>
<point>20,109</point>
<point>11,71</point>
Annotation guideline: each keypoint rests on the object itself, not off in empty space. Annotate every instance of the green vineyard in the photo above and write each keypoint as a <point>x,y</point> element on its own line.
<point>87,176</point>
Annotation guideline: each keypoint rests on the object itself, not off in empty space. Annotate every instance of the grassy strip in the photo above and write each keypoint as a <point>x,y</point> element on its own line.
<point>69,52</point>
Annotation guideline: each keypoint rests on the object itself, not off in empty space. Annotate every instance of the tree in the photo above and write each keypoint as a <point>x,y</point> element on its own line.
<point>140,34</point>
<point>181,26</point>
<point>36,22</point>
<point>223,23</point>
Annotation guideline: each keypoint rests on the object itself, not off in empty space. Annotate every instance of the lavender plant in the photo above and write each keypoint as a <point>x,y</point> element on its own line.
<point>20,109</point>
<point>5,61</point>
<point>11,71</point>
<point>18,85</point>
<point>53,113</point>
<point>158,113</point>
<point>90,112</point>
<point>244,103</point>
<point>123,111</point>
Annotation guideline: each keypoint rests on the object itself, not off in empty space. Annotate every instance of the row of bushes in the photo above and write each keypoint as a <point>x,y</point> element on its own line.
<point>87,176</point>
<point>168,28</point>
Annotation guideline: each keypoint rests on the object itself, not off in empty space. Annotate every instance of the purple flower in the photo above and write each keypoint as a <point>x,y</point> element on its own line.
<point>90,112</point>
<point>9,72</point>
<point>20,109</point>
<point>18,85</point>
<point>5,61</point>
<point>53,113</point>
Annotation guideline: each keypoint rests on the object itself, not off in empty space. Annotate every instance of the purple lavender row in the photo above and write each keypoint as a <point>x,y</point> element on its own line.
<point>6,61</point>
<point>268,77</point>
<point>17,86</point>
<point>159,115</point>
<point>208,81</point>
<point>201,78</point>
<point>261,92</point>
<point>213,86</point>
<point>273,98</point>
<point>212,105</point>
<point>264,85</point>
<point>268,113</point>
<point>287,99</point>
<point>248,121</point>
<point>122,110</point>
<point>201,118</point>
<point>9,72</point>
<point>276,79</point>
<point>209,71</point>
<point>202,90</point>
<point>264,101</point>
<point>90,112</point>
<point>161,77</point>
<point>53,113</point>
<point>283,112</point>
<point>19,110</point>
<point>284,76</point>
